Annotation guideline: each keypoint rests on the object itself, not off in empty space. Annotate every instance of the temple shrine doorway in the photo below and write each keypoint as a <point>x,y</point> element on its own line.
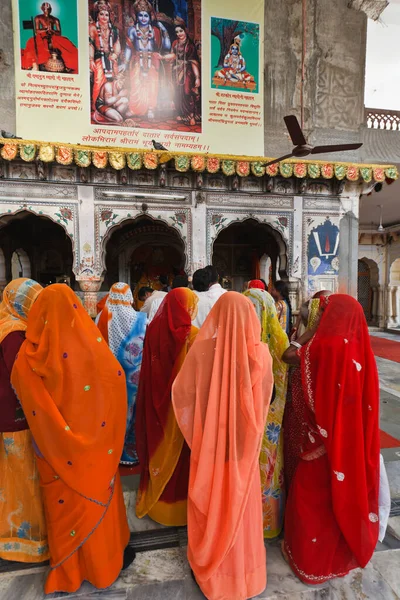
<point>34,246</point>
<point>141,250</point>
<point>249,250</point>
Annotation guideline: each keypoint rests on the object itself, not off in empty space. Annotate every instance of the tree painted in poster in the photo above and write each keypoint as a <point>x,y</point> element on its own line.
<point>225,31</point>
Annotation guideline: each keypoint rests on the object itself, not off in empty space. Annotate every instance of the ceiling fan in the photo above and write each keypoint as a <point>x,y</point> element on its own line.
<point>381,227</point>
<point>301,148</point>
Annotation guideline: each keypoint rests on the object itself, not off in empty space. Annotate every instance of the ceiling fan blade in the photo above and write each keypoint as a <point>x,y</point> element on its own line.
<point>295,132</point>
<point>278,160</point>
<point>339,148</point>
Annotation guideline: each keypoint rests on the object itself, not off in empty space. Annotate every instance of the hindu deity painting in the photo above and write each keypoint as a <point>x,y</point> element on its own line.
<point>145,68</point>
<point>235,55</point>
<point>49,39</point>
<point>323,249</point>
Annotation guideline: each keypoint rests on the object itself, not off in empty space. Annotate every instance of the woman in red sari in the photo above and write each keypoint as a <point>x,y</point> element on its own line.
<point>332,521</point>
<point>162,451</point>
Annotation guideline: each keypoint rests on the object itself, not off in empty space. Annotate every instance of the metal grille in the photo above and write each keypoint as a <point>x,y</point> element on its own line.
<point>395,508</point>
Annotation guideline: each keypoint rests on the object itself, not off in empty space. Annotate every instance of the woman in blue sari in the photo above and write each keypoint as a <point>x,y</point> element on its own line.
<point>124,330</point>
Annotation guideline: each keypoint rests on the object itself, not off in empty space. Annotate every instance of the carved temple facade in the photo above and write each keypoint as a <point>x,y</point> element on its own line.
<point>94,226</point>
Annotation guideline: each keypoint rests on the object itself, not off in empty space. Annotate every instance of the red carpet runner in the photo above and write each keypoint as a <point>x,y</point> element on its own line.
<point>386,348</point>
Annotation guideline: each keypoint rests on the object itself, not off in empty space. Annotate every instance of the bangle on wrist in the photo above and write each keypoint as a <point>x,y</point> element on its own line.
<point>296,345</point>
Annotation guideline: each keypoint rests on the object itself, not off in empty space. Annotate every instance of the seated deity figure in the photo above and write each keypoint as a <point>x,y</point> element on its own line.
<point>48,50</point>
<point>146,41</point>
<point>112,104</point>
<point>104,50</point>
<point>234,69</point>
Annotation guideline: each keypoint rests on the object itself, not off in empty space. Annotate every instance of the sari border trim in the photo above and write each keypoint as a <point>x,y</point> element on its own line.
<point>107,506</point>
<point>305,577</point>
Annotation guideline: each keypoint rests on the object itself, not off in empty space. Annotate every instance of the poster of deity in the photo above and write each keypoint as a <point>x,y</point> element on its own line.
<point>323,248</point>
<point>49,36</point>
<point>145,64</point>
<point>235,50</point>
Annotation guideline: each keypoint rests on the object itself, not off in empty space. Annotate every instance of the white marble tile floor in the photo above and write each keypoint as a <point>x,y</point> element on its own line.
<point>165,575</point>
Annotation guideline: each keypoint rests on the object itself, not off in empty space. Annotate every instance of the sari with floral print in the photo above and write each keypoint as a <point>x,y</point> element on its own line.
<point>271,457</point>
<point>332,521</point>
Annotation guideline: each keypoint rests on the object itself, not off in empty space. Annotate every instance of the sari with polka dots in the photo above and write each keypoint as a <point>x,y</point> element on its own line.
<point>73,393</point>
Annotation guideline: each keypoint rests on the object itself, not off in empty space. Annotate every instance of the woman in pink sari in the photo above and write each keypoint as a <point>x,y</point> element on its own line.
<point>221,397</point>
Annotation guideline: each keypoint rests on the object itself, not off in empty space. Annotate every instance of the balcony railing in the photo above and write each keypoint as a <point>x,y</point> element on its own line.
<point>379,118</point>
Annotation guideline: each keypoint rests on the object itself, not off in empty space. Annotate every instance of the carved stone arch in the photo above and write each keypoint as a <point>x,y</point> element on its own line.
<point>177,220</point>
<point>63,215</point>
<point>282,244</point>
<point>143,231</point>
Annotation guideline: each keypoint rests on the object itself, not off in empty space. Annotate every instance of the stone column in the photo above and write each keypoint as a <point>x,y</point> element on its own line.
<point>389,304</point>
<point>90,287</point>
<point>395,305</point>
<point>294,295</point>
<point>381,305</point>
<point>348,246</point>
<point>199,233</point>
<point>375,305</point>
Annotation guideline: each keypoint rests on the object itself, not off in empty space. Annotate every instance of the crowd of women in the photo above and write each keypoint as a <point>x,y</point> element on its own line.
<point>229,439</point>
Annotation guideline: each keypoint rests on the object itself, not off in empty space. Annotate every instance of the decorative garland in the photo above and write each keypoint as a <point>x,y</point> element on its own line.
<point>84,156</point>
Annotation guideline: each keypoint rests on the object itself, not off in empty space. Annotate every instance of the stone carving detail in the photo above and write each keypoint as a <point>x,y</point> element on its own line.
<point>215,182</point>
<point>19,190</point>
<point>106,217</point>
<point>22,170</point>
<point>99,195</point>
<point>318,187</point>
<point>181,181</point>
<point>143,178</point>
<point>251,184</point>
<point>283,186</point>
<point>338,97</point>
<point>67,174</point>
<point>104,176</point>
<point>250,201</point>
<point>327,204</point>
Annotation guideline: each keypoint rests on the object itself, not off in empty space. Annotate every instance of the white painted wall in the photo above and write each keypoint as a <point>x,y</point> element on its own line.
<point>382,80</point>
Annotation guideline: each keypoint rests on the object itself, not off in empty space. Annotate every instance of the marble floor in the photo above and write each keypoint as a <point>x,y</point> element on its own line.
<point>165,575</point>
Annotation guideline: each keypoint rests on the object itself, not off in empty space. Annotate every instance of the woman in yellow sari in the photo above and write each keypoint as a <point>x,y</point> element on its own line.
<point>163,453</point>
<point>271,457</point>
<point>23,535</point>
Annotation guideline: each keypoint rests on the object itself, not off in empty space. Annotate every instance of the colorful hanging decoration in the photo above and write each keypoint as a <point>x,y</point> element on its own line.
<point>100,159</point>
<point>117,160</point>
<point>83,158</point>
<point>314,170</point>
<point>47,153</point>
<point>340,171</point>
<point>327,171</point>
<point>379,174</point>
<point>228,167</point>
<point>150,160</point>
<point>243,168</point>
<point>9,151</point>
<point>366,174</point>
<point>27,152</point>
<point>300,170</point>
<point>64,155</point>
<point>286,169</point>
<point>134,160</point>
<point>213,164</point>
<point>182,163</point>
<point>353,173</point>
<point>258,169</point>
<point>198,163</point>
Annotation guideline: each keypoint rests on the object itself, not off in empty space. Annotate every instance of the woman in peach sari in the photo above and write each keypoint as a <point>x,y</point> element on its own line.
<point>73,393</point>
<point>221,398</point>
<point>23,535</point>
<point>163,453</point>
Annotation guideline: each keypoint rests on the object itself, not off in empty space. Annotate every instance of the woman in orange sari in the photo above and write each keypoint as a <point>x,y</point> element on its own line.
<point>23,535</point>
<point>73,393</point>
<point>221,398</point>
<point>162,450</point>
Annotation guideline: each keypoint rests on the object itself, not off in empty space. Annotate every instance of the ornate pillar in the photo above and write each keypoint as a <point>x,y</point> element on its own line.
<point>90,287</point>
<point>375,305</point>
<point>294,295</point>
<point>395,305</point>
<point>389,304</point>
<point>381,307</point>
